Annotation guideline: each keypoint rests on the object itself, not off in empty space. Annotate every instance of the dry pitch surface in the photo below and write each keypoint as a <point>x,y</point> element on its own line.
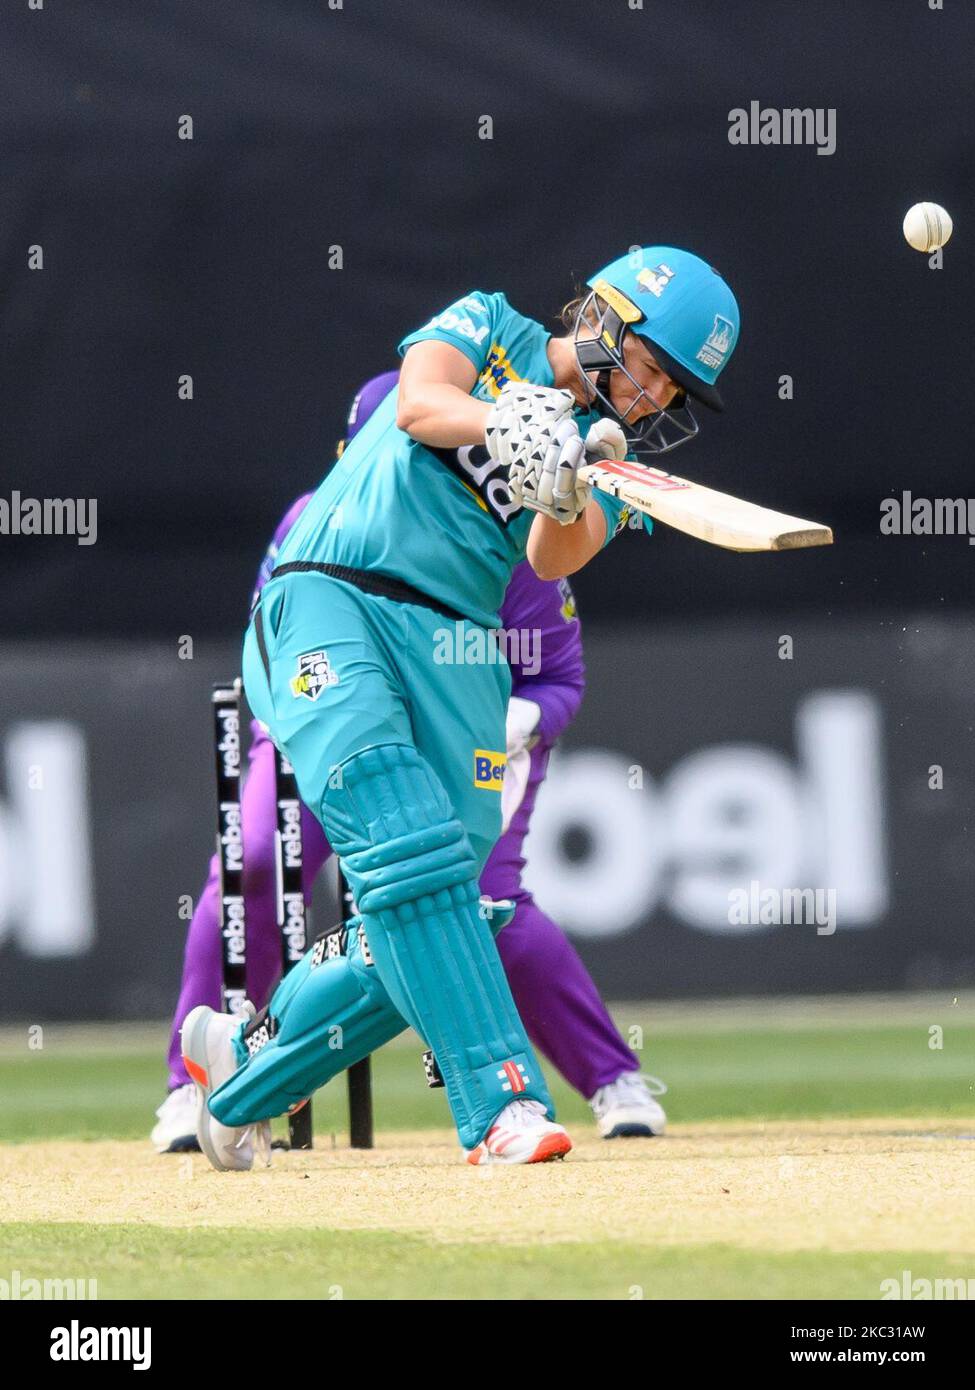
<point>863,1185</point>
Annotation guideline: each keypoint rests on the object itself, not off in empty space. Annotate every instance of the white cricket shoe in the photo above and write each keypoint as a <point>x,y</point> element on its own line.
<point>209,1058</point>
<point>521,1134</point>
<point>175,1129</point>
<point>628,1109</point>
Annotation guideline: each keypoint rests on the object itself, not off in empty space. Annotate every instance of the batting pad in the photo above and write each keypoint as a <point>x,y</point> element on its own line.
<point>327,1013</point>
<point>413,874</point>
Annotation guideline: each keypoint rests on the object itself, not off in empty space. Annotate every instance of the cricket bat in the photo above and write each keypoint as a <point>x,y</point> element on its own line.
<point>700,511</point>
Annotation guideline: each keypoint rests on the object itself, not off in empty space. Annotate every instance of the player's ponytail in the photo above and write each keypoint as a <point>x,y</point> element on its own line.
<point>569,313</point>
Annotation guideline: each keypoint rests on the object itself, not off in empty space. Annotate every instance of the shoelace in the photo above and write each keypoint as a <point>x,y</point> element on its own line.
<point>262,1141</point>
<point>523,1110</point>
<point>260,1133</point>
<point>635,1082</point>
<point>654,1085</point>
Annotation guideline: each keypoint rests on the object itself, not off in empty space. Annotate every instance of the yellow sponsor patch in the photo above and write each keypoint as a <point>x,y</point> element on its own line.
<point>489,769</point>
<point>617,300</point>
<point>498,371</point>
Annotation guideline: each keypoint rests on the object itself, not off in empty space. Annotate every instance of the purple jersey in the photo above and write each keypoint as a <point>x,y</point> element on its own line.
<point>548,667</point>
<point>271,554</point>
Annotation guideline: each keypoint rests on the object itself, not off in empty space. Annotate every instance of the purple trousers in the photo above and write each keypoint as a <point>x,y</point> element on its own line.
<point>555,995</point>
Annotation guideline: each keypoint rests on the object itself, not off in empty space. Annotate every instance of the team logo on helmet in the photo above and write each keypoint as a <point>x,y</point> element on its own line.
<point>655,281</point>
<point>314,674</point>
<point>718,343</point>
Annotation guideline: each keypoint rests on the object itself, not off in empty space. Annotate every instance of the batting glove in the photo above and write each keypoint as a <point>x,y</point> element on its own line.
<point>519,410</point>
<point>544,473</point>
<point>605,440</point>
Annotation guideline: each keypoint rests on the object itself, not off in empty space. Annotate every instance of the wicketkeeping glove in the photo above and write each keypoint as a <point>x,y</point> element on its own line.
<point>521,728</point>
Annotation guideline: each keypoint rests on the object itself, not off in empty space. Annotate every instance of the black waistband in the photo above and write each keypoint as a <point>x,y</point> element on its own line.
<point>371,582</point>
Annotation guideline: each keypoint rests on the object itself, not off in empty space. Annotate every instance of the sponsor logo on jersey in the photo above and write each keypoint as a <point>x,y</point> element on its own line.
<point>452,322</point>
<point>314,674</point>
<point>718,343</point>
<point>484,477</point>
<point>497,372</point>
<point>489,769</point>
<point>655,281</point>
<point>476,306</point>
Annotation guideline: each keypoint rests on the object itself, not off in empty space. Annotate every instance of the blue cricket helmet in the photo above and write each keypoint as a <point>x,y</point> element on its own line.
<point>688,317</point>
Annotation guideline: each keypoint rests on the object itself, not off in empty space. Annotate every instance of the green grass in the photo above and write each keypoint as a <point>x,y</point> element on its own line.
<point>149,1262</point>
<point>762,1060</point>
<point>740,1064</point>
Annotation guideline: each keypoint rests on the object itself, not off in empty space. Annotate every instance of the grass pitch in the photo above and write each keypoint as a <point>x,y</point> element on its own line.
<point>815,1150</point>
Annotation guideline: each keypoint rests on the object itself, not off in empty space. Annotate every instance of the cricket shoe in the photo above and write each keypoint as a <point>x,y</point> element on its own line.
<point>209,1057</point>
<point>175,1129</point>
<point>628,1109</point>
<point>521,1134</point>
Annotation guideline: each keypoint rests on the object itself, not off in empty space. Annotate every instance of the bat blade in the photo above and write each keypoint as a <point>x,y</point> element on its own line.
<point>702,512</point>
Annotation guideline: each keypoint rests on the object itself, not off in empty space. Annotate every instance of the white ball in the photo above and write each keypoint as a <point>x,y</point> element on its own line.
<point>927,226</point>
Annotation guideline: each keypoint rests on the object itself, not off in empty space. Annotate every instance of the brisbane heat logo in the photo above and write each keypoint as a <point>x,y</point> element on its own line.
<point>718,343</point>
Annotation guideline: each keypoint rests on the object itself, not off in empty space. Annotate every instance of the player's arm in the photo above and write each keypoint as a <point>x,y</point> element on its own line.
<point>555,551</point>
<point>434,405</point>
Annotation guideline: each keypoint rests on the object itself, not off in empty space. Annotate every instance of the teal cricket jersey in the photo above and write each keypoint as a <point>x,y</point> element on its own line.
<point>442,520</point>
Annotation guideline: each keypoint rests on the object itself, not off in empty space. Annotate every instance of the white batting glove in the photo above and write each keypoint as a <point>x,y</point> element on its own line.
<point>605,440</point>
<point>519,410</point>
<point>544,473</point>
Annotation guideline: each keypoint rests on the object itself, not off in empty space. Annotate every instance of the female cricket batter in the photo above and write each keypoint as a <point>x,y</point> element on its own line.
<point>553,991</point>
<point>398,749</point>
